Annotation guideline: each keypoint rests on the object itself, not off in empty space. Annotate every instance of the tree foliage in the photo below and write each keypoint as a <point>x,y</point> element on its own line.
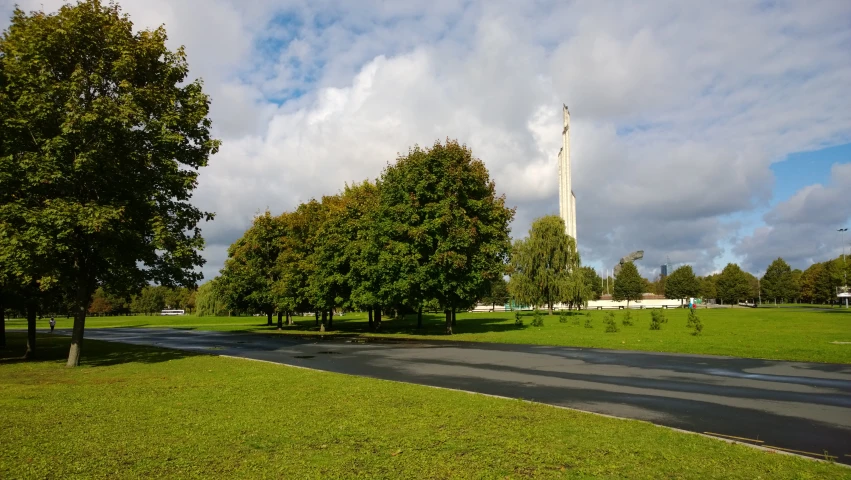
<point>777,282</point>
<point>443,229</point>
<point>593,283</point>
<point>682,284</point>
<point>628,284</point>
<point>209,301</point>
<point>102,139</point>
<point>251,271</point>
<point>733,285</point>
<point>545,266</point>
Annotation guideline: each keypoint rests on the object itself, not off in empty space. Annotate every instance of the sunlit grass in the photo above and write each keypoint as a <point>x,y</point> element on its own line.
<point>137,412</point>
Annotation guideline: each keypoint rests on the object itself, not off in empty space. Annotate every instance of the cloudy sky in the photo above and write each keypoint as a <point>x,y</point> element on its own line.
<point>703,132</point>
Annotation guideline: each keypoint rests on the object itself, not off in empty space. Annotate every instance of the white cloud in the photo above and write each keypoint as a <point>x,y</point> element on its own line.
<point>802,228</point>
<point>678,108</point>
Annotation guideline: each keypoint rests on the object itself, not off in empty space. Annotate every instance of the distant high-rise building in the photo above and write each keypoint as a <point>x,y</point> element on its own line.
<point>664,270</point>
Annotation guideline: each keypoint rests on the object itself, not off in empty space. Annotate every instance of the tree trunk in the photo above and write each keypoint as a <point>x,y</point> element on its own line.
<point>370,319</point>
<point>31,314</point>
<point>269,319</point>
<point>453,316</point>
<point>289,318</point>
<point>449,321</point>
<point>550,307</point>
<point>280,320</point>
<point>420,317</point>
<point>324,317</point>
<point>316,313</point>
<point>84,298</point>
<point>331,318</point>
<point>378,318</point>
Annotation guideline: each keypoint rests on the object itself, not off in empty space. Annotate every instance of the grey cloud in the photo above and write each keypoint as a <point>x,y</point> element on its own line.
<point>678,108</point>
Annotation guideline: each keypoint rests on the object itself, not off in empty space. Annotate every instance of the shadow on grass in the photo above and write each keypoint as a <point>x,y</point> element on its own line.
<point>54,348</point>
<point>433,324</point>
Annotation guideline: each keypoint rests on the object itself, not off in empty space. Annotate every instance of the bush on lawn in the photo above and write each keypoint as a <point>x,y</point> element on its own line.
<point>611,326</point>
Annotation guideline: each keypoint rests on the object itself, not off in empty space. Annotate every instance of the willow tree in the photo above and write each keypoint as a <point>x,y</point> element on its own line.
<point>545,267</point>
<point>103,136</point>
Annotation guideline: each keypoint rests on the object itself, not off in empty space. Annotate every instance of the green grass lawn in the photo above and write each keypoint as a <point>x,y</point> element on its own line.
<point>797,334</point>
<point>138,412</point>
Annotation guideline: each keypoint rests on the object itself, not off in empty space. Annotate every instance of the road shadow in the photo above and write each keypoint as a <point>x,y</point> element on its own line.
<point>432,325</point>
<point>53,348</point>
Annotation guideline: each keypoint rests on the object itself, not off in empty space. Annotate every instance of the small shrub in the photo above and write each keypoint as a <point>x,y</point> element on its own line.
<point>611,326</point>
<point>694,322</point>
<point>537,319</point>
<point>657,318</point>
<point>627,318</point>
<point>588,322</point>
<point>518,318</point>
<point>562,317</point>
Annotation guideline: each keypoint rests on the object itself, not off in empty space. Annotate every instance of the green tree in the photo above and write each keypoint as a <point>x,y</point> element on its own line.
<point>825,283</point>
<point>808,282</point>
<point>208,300</point>
<point>795,285</point>
<point>103,139</point>
<point>593,282</point>
<point>707,287</point>
<point>777,281</point>
<point>151,299</point>
<point>372,267</point>
<point>628,284</point>
<point>682,284</point>
<point>498,293</point>
<point>443,228</point>
<point>250,272</point>
<point>542,263</point>
<point>733,284</point>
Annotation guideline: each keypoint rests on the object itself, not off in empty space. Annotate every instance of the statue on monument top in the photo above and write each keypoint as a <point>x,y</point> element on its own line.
<point>636,255</point>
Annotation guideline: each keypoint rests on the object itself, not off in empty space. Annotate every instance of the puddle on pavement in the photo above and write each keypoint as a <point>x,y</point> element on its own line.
<point>303,356</point>
<point>329,353</point>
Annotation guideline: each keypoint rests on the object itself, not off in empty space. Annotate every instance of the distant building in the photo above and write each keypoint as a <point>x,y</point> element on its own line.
<point>664,270</point>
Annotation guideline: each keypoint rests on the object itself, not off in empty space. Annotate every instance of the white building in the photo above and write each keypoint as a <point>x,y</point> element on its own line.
<point>566,198</point>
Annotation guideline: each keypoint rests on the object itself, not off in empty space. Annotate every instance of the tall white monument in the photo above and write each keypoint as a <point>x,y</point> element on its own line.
<point>566,198</point>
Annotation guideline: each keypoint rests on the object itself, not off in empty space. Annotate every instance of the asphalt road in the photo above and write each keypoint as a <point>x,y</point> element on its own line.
<point>791,405</point>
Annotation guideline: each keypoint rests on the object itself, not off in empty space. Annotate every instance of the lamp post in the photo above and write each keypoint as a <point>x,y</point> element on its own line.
<point>842,231</point>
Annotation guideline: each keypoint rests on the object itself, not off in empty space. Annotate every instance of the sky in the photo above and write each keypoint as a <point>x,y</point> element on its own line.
<point>701,132</point>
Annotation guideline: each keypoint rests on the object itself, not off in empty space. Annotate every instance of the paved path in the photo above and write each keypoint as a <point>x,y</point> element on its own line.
<point>800,406</point>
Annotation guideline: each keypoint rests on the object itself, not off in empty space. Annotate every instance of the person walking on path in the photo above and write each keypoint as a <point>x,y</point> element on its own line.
<point>52,324</point>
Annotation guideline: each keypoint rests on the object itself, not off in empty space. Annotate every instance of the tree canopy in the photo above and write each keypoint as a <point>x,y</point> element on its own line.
<point>777,282</point>
<point>442,226</point>
<point>682,284</point>
<point>628,285</point>
<point>733,285</point>
<point>545,266</point>
<point>102,139</point>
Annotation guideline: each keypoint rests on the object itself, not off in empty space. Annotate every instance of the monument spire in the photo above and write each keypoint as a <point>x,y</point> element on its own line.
<point>567,200</point>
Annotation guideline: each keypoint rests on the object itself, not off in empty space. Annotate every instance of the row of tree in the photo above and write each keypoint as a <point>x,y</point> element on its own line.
<point>780,283</point>
<point>429,233</point>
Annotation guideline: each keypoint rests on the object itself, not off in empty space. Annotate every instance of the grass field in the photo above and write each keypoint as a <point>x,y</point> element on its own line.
<point>797,334</point>
<point>138,412</point>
